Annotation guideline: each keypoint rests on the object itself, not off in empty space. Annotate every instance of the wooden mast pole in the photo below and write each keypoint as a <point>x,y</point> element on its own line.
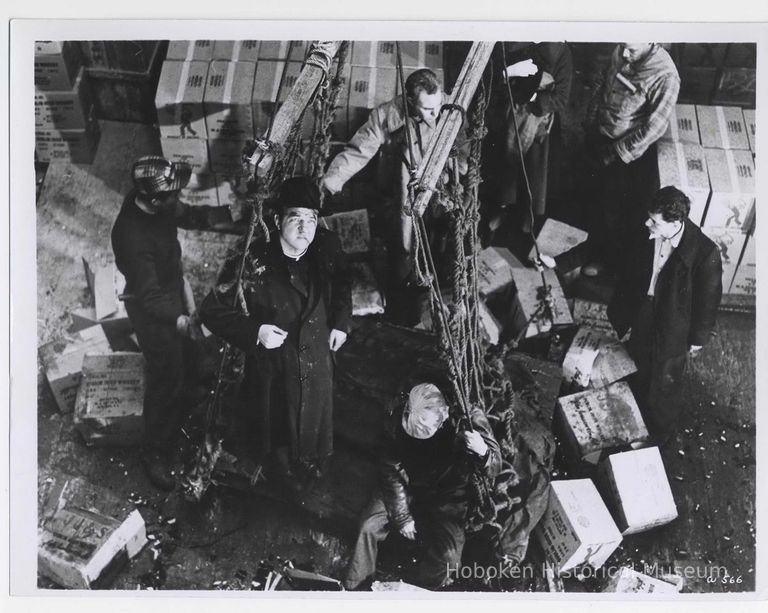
<point>315,67</point>
<point>439,147</point>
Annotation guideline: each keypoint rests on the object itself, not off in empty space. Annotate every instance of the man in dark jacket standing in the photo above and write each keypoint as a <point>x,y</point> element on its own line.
<point>540,76</point>
<point>426,466</point>
<point>293,313</point>
<point>668,296</point>
<point>158,300</point>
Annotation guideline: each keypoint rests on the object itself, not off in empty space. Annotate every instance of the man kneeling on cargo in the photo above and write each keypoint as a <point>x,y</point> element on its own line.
<point>426,464</point>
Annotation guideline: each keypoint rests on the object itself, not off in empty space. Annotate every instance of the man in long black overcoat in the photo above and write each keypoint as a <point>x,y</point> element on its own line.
<point>667,295</point>
<point>294,311</point>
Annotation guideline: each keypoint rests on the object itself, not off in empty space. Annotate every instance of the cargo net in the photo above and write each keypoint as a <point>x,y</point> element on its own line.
<point>506,508</point>
<point>267,164</point>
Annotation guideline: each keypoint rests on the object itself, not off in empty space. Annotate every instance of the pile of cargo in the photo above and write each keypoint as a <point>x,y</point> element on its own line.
<point>213,96</point>
<point>708,152</point>
<point>65,127</point>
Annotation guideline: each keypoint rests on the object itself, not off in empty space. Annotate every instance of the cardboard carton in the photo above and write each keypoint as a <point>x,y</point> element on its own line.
<point>730,244</point>
<point>201,190</point>
<point>225,157</point>
<point>383,54</point>
<point>530,295</point>
<point>576,528</point>
<point>749,119</point>
<point>722,127</point>
<point>578,362</point>
<point>65,110</point>
<point>236,50</point>
<point>110,399</point>
<point>232,191</point>
<point>684,165</point>
<point>192,151</point>
<point>494,269</point>
<point>105,283</point>
<point>373,53</point>
<point>85,534</point>
<point>366,297</point>
<point>732,176</point>
<point>190,50</point>
<point>745,278</point>
<point>593,315</point>
<point>557,237</point>
<point>683,126</point>
<point>272,79</point>
<point>352,228</point>
<point>370,87</point>
<point>179,99</point>
<point>227,100</point>
<point>601,419</point>
<point>63,363</point>
<point>395,586</point>
<point>490,327</point>
<point>57,64</point>
<point>612,363</point>
<point>73,146</point>
<point>637,490</point>
<point>629,581</point>
<point>291,50</point>
<point>115,326</point>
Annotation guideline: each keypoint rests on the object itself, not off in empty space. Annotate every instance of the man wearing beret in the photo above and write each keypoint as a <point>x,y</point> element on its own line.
<point>292,315</point>
<point>426,465</point>
<point>159,300</point>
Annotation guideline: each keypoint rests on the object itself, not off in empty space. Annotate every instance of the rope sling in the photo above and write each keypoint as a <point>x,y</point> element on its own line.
<point>478,378</point>
<point>286,161</point>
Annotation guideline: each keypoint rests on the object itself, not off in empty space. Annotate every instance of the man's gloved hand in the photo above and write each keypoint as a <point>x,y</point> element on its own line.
<point>694,350</point>
<point>195,327</point>
<point>336,339</point>
<point>475,442</point>
<point>185,326</point>
<point>409,530</point>
<point>271,336</point>
<point>524,68</point>
<point>543,262</point>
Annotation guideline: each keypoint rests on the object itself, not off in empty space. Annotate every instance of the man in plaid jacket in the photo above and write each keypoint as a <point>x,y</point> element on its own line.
<point>629,111</point>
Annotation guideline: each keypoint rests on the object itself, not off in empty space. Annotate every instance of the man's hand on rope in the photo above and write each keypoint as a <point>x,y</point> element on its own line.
<point>475,442</point>
<point>409,530</point>
<point>524,68</point>
<point>271,336</point>
<point>543,262</point>
<point>337,339</point>
<point>188,326</point>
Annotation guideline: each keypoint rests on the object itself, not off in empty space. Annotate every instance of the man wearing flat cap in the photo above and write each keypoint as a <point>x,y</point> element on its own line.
<point>158,299</point>
<point>293,313</point>
<point>426,464</point>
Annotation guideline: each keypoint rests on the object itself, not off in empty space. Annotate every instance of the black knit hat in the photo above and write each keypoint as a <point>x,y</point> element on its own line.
<point>300,191</point>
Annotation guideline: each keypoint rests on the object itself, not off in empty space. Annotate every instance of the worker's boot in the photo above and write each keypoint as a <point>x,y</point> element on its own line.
<point>158,469</point>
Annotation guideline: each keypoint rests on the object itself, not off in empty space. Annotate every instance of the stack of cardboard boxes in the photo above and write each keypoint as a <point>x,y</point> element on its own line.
<point>213,96</point>
<point>708,152</point>
<point>65,128</point>
<point>374,80</point>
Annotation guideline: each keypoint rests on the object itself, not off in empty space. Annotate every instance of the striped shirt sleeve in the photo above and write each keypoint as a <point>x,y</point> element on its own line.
<point>661,100</point>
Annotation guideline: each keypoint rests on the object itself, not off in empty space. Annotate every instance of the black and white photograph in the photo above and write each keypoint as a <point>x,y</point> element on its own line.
<point>449,311</point>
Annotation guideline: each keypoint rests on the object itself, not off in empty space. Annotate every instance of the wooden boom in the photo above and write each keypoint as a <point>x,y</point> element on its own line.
<point>321,54</point>
<point>439,147</point>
